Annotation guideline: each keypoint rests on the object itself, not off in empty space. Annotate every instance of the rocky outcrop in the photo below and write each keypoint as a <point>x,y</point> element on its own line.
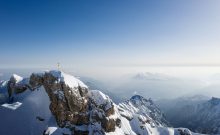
<point>72,103</point>
<point>145,110</point>
<point>16,85</point>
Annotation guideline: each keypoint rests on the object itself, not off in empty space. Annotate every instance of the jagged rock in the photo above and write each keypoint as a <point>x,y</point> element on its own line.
<point>110,111</point>
<point>16,85</point>
<point>109,124</point>
<point>36,80</point>
<point>68,99</point>
<point>152,113</point>
<point>71,102</point>
<point>103,107</point>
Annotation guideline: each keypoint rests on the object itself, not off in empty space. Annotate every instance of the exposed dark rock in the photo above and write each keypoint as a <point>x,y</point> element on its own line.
<point>71,105</point>
<point>15,86</point>
<point>67,104</point>
<point>40,118</point>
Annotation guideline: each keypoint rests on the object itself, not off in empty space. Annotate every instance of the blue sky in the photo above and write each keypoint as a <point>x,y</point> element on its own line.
<point>109,33</point>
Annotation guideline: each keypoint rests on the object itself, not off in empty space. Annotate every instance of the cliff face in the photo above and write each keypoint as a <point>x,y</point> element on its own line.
<point>73,104</point>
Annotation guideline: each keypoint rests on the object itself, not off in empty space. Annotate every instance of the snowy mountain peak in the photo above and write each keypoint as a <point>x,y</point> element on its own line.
<point>69,80</point>
<point>100,99</point>
<point>16,78</point>
<point>143,108</point>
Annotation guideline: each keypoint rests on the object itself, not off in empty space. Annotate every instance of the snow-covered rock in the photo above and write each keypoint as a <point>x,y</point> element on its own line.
<point>69,80</point>
<point>141,116</point>
<point>16,78</point>
<point>73,105</point>
<point>100,99</point>
<point>206,117</point>
<point>145,109</point>
<point>15,85</point>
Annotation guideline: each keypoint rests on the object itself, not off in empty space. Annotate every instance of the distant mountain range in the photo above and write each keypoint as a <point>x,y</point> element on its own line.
<point>152,76</point>
<point>198,113</point>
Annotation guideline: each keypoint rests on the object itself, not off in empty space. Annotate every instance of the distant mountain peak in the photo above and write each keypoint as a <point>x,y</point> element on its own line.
<point>16,78</point>
<point>151,76</point>
<point>137,99</point>
<point>141,99</point>
<point>214,101</point>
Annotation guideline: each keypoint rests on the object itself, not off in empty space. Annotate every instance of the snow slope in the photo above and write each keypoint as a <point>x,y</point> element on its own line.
<point>145,108</point>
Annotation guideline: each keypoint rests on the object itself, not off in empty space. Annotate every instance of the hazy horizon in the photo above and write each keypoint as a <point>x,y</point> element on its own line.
<point>153,82</point>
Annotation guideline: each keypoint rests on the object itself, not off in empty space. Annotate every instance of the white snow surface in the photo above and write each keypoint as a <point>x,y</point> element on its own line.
<point>136,119</point>
<point>12,106</point>
<point>145,109</point>
<point>17,78</point>
<point>69,80</point>
<point>50,130</point>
